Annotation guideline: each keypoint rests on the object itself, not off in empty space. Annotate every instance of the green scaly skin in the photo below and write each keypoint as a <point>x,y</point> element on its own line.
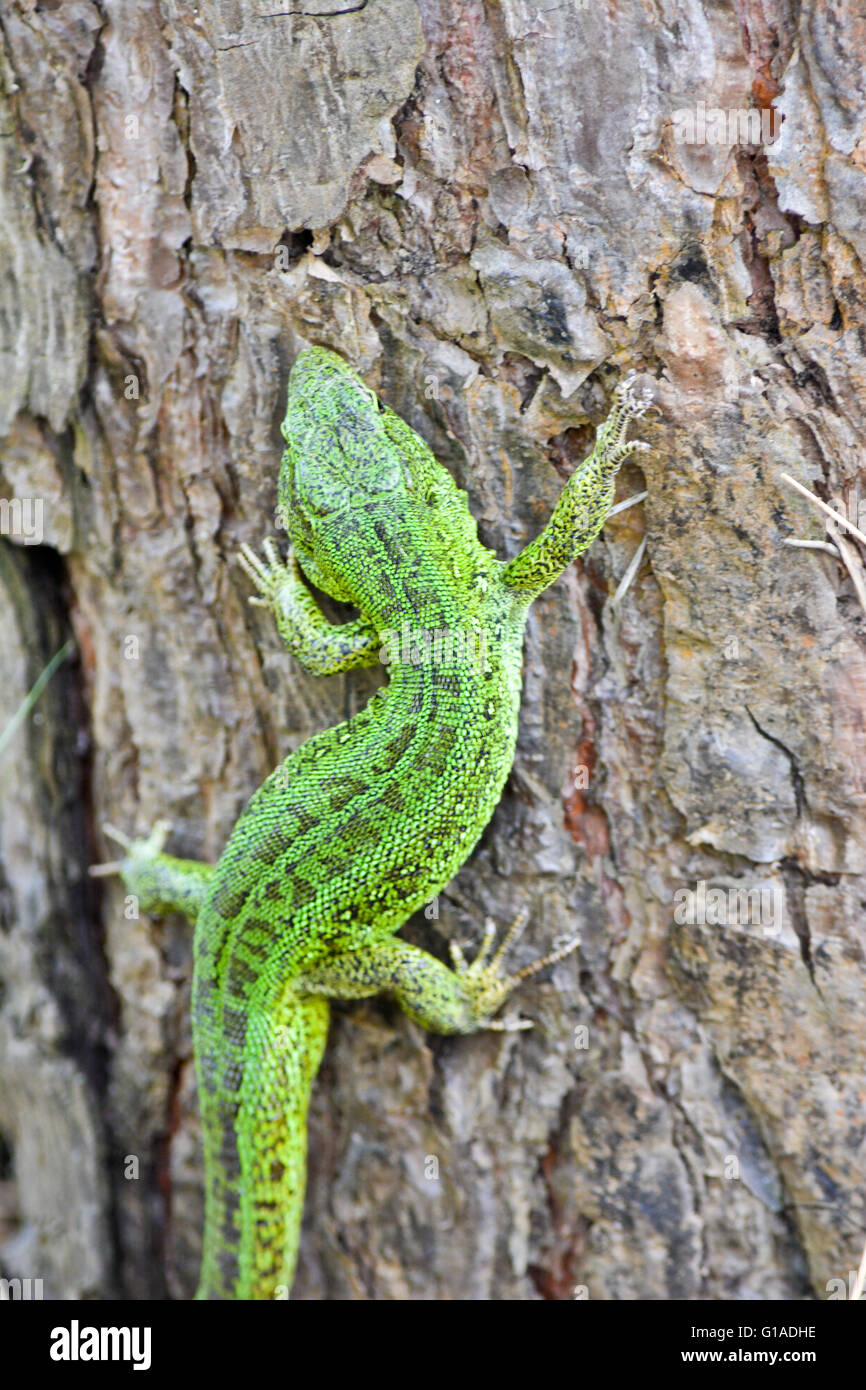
<point>365,822</point>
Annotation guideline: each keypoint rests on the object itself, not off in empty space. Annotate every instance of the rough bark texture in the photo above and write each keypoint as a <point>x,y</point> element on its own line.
<point>484,205</point>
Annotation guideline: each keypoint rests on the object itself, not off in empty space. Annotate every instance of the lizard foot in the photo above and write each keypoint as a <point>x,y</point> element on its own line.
<point>271,576</point>
<point>634,403</point>
<point>629,405</point>
<point>143,851</point>
<point>483,979</point>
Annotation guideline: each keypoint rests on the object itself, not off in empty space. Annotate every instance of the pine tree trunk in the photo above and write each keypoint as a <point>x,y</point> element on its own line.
<point>493,210</point>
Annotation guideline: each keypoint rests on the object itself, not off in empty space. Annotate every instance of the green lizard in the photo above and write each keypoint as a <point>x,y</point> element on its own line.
<point>366,822</point>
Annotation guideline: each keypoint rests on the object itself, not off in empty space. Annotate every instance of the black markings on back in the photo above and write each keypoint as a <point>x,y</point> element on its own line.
<point>392,797</point>
<point>345,790</point>
<point>435,754</point>
<point>228,899</point>
<point>397,747</point>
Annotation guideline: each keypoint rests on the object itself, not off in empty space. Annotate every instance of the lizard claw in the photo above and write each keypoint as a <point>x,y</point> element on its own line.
<point>509,1025</point>
<point>458,960</point>
<point>116,835</point>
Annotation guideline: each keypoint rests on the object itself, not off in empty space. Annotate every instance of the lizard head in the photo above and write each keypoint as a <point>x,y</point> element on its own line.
<point>358,484</point>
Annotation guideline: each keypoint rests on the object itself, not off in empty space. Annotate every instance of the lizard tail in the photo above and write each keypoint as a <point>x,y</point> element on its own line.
<point>256,1154</point>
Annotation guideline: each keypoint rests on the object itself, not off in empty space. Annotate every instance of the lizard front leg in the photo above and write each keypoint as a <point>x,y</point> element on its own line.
<point>461,1000</point>
<point>584,505</point>
<point>323,648</point>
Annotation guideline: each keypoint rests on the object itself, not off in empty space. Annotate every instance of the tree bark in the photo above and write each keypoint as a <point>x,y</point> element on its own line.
<point>493,209</point>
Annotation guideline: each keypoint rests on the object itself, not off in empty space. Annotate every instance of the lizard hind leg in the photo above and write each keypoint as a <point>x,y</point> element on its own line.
<point>160,882</point>
<point>461,1000</point>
